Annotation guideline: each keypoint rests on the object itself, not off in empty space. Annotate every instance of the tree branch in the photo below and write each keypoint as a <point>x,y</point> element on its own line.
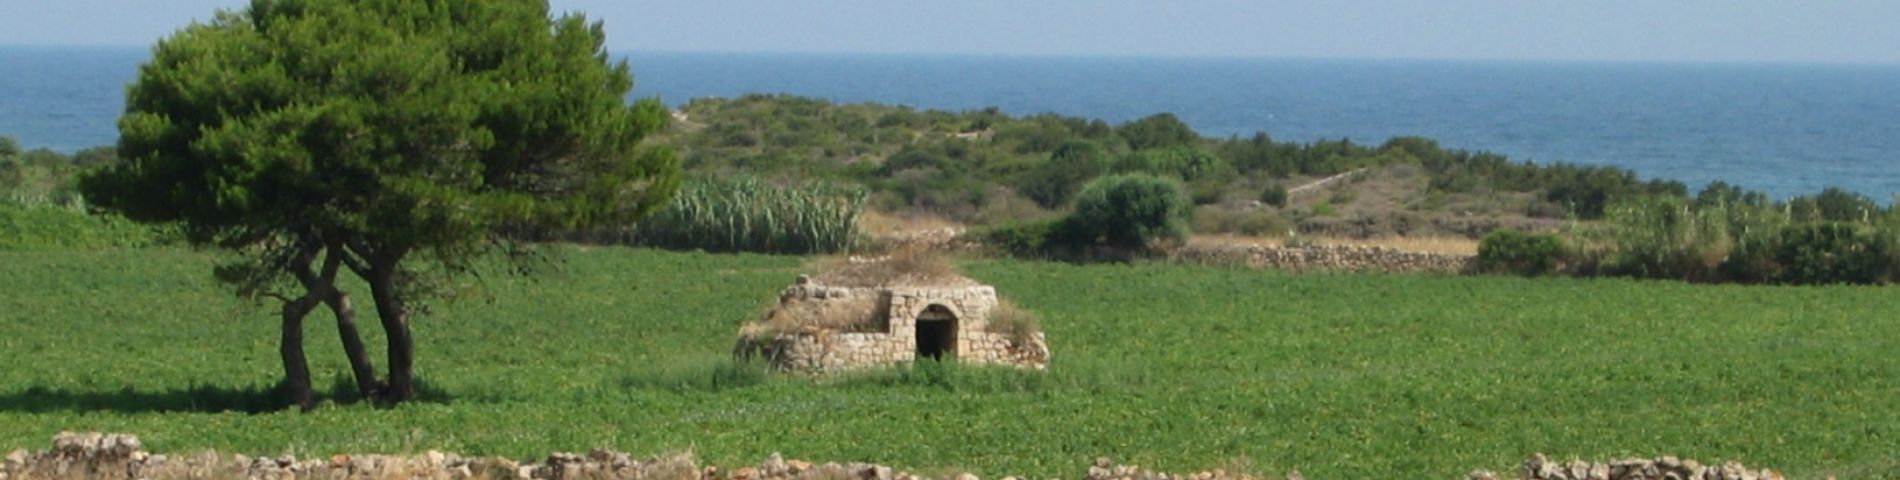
<point>353,254</point>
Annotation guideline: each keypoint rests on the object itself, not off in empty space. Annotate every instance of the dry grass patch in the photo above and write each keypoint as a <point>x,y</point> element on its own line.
<point>1011,320</point>
<point>909,267</point>
<point>877,223</point>
<point>844,315</point>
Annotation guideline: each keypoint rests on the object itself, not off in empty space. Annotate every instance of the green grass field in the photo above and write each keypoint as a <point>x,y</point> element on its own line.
<point>1177,368</point>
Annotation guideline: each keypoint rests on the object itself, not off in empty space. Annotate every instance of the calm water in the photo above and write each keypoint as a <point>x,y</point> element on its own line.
<point>1784,129</point>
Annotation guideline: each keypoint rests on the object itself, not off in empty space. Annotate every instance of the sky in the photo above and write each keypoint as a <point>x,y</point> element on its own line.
<point>1822,31</point>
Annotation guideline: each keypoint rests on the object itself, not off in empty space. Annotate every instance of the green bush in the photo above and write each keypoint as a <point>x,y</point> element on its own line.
<point>1160,130</point>
<point>1128,211</point>
<point>1832,252</point>
<point>1528,254</point>
<point>1274,195</point>
<point>1054,182</point>
<point>1026,239</point>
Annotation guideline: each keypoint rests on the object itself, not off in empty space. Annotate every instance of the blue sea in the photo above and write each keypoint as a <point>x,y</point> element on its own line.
<point>1780,128</point>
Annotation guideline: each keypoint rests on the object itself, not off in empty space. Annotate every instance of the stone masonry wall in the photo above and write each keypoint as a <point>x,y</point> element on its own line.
<point>1338,257</point>
<point>833,351</point>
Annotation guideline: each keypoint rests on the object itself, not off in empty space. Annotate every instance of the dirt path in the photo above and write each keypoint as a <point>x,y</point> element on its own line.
<point>1321,183</point>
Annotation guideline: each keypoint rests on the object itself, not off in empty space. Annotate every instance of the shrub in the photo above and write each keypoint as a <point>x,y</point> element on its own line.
<point>1020,239</point>
<point>1274,195</point>
<point>1528,254</point>
<point>1189,164</point>
<point>1053,182</point>
<point>1128,211</point>
<point>1156,131</point>
<point>1663,237</point>
<point>1831,252</point>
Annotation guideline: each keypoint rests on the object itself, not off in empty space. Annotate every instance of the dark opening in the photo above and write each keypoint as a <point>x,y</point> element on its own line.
<point>936,333</point>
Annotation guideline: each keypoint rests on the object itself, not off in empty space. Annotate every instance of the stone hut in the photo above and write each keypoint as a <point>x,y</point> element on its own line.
<point>823,328</point>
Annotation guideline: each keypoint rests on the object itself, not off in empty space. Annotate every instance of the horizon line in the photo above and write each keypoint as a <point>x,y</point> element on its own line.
<point>627,51</point>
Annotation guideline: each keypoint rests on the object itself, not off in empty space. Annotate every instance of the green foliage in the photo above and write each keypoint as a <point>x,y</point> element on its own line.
<point>8,146</point>
<point>1521,253</point>
<point>1173,368</point>
<point>1748,241</point>
<point>407,126</point>
<point>1325,209</point>
<point>748,215</point>
<point>1664,237</point>
<point>943,175</point>
<point>1029,239</point>
<point>1161,130</point>
<point>1721,193</point>
<point>916,160</point>
<point>1053,183</point>
<point>1186,163</point>
<point>1275,194</point>
<point>1837,205</point>
<point>1833,252</point>
<point>395,138</point>
<point>38,177</point>
<point>1128,211</point>
<point>47,227</point>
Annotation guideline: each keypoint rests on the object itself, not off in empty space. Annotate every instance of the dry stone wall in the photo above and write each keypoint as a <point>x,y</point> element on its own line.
<point>1337,257</point>
<point>833,352</point>
<point>1539,467</point>
<point>1004,349</point>
<point>115,456</point>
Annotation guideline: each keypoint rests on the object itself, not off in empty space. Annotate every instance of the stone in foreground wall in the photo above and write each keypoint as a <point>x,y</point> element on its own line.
<point>1335,257</point>
<point>1540,467</point>
<point>831,352</point>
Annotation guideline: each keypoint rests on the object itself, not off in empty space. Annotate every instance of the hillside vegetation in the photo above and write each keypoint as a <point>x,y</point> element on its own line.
<point>987,167</point>
<point>1437,377</point>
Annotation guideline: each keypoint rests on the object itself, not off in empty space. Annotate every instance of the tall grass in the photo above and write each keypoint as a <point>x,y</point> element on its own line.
<point>1667,237</point>
<point>750,215</point>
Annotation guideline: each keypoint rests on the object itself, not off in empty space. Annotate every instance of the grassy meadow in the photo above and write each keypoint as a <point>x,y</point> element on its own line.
<point>1172,367</point>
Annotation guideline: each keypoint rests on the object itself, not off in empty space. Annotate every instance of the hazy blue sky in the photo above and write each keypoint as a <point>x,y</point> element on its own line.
<point>1668,30</point>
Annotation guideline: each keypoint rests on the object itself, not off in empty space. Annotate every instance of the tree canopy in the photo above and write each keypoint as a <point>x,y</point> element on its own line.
<point>371,135</point>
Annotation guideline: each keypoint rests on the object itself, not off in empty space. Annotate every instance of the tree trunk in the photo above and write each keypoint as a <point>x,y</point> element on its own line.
<point>360,365</point>
<point>395,318</point>
<point>296,368</point>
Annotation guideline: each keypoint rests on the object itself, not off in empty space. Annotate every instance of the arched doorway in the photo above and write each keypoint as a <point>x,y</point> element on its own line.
<point>936,333</point>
